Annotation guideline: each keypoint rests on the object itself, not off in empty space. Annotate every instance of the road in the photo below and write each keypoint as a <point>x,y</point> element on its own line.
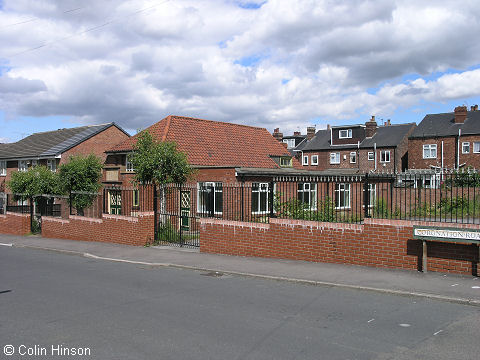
<point>127,311</point>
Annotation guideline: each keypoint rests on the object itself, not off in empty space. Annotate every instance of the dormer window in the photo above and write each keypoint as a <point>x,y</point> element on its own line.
<point>345,134</point>
<point>286,162</point>
<point>290,143</point>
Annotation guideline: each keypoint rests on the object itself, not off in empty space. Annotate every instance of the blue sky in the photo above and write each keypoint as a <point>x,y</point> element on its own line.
<point>287,64</point>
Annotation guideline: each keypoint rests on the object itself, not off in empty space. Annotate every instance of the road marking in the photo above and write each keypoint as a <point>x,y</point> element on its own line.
<point>438,332</point>
<point>369,321</point>
<point>3,244</point>
<point>454,285</point>
<point>404,325</point>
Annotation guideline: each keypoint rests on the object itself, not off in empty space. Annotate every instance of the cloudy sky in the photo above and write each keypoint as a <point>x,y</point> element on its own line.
<point>274,63</point>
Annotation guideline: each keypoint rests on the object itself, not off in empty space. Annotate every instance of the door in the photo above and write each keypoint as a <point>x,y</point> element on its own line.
<point>114,202</point>
<point>185,201</point>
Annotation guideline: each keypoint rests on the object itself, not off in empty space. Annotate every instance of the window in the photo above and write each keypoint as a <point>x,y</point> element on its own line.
<point>259,198</point>
<point>3,168</point>
<point>342,196</point>
<point>314,159</point>
<point>307,194</point>
<point>465,147</point>
<point>129,165</point>
<point>136,197</point>
<point>345,134</point>
<point>371,156</point>
<point>22,165</point>
<point>430,151</point>
<point>290,143</point>
<point>372,195</point>
<point>210,197</point>
<point>385,156</point>
<point>286,162</point>
<point>476,147</point>
<point>305,160</point>
<point>353,157</point>
<point>52,165</point>
<point>335,158</point>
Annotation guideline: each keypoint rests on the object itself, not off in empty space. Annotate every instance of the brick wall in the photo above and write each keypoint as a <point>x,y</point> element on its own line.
<point>110,228</point>
<point>378,243</point>
<point>15,224</point>
<point>415,153</point>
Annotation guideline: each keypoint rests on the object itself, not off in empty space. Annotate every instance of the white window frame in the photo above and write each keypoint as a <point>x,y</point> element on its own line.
<point>3,167</point>
<point>128,165</point>
<point>22,165</point>
<point>217,188</point>
<point>262,190</point>
<point>383,156</point>
<point>289,160</point>
<point>52,165</point>
<point>335,157</point>
<point>477,145</point>
<point>428,150</point>
<point>305,160</point>
<point>348,134</point>
<point>342,190</point>
<point>314,159</point>
<point>466,147</point>
<point>290,143</point>
<point>372,194</point>
<point>311,190</point>
<point>371,156</point>
<point>353,157</point>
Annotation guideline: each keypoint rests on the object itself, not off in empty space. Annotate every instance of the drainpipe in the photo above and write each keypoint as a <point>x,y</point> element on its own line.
<point>358,157</point>
<point>458,148</point>
<point>442,157</point>
<point>375,154</point>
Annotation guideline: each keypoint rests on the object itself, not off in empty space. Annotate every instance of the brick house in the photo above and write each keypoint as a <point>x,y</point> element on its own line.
<point>296,141</point>
<point>359,148</point>
<point>53,148</point>
<point>446,141</point>
<point>222,154</point>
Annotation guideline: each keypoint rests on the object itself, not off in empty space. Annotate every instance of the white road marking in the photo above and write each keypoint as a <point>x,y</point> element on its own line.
<point>404,325</point>
<point>438,332</point>
<point>3,244</point>
<point>369,321</point>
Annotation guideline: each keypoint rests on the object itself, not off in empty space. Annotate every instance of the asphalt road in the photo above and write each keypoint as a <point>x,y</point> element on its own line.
<point>125,311</point>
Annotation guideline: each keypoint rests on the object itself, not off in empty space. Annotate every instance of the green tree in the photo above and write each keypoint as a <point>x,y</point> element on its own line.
<point>158,162</point>
<point>81,175</point>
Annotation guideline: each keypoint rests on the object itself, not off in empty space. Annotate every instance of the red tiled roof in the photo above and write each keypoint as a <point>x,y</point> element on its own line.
<point>214,143</point>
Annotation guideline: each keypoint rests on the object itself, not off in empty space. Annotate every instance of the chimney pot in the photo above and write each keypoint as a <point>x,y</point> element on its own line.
<point>373,118</point>
<point>475,107</point>
<point>296,133</point>
<point>328,127</point>
<point>460,114</point>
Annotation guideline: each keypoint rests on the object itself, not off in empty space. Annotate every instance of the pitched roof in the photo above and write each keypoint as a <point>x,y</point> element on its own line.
<point>388,136</point>
<point>214,143</point>
<point>51,143</point>
<point>385,136</point>
<point>435,125</point>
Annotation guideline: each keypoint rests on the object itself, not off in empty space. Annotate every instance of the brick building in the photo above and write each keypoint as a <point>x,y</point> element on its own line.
<point>53,148</point>
<point>446,141</point>
<point>361,148</point>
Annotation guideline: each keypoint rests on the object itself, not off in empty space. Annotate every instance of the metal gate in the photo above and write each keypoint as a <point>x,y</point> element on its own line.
<point>177,219</point>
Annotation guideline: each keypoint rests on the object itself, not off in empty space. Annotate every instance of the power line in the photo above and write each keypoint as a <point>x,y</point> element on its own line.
<point>136,12</point>
<point>36,18</point>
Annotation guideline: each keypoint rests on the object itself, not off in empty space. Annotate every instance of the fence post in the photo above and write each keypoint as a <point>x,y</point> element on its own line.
<point>271,198</point>
<point>31,214</point>
<point>366,197</point>
<point>211,199</point>
<point>70,202</point>
<point>155,219</point>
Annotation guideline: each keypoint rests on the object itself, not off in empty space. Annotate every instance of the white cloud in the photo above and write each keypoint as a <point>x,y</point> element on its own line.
<point>303,61</point>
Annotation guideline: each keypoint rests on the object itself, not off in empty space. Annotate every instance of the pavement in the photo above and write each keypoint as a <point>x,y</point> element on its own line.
<point>446,287</point>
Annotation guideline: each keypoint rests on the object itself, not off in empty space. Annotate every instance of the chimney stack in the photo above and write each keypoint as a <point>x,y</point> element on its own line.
<point>328,127</point>
<point>277,134</point>
<point>310,132</point>
<point>474,108</point>
<point>460,114</point>
<point>370,127</point>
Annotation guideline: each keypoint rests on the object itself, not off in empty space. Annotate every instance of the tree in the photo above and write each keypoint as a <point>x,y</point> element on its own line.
<point>81,174</point>
<point>35,181</point>
<point>158,162</point>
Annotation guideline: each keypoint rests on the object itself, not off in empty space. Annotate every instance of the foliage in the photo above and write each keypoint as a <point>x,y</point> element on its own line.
<point>35,181</point>
<point>464,178</point>
<point>81,174</point>
<point>380,209</point>
<point>168,233</point>
<point>158,162</point>
<point>296,209</point>
<point>36,228</point>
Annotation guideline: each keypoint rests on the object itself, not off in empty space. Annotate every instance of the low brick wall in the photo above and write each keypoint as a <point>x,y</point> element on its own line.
<point>110,228</point>
<point>378,243</point>
<point>15,224</point>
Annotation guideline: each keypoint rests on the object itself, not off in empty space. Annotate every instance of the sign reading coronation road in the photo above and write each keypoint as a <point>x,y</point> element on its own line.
<point>447,234</point>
